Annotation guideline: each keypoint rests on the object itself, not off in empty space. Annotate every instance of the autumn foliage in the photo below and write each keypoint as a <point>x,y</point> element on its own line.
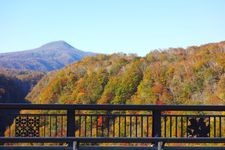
<point>195,75</point>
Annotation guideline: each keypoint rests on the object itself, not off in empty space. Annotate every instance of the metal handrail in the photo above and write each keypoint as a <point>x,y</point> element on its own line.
<point>112,107</point>
<point>110,140</point>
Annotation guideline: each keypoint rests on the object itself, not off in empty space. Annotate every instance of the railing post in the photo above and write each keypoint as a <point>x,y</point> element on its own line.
<point>156,127</point>
<point>70,124</point>
<point>156,124</point>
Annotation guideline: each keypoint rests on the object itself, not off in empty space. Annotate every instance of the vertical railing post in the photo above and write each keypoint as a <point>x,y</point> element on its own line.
<point>156,126</point>
<point>156,123</point>
<point>70,124</point>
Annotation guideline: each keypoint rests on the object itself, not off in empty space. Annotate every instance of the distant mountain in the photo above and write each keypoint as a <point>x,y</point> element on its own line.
<point>48,57</point>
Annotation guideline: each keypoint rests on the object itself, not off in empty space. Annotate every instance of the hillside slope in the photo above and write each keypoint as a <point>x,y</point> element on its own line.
<point>14,84</point>
<point>195,75</point>
<point>48,57</point>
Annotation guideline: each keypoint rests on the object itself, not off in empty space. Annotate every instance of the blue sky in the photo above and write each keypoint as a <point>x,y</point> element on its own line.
<point>108,26</point>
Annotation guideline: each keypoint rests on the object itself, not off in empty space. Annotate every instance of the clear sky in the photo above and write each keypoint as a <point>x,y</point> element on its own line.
<point>107,26</point>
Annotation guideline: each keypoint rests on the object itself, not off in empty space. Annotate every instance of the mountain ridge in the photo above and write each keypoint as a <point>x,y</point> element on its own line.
<point>48,57</point>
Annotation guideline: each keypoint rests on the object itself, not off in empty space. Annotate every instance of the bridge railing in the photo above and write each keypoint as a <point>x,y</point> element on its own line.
<point>115,122</point>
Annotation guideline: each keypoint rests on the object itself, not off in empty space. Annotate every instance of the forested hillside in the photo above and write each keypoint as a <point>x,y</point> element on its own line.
<point>14,84</point>
<point>195,75</point>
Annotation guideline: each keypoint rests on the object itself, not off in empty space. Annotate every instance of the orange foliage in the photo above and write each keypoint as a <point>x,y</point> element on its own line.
<point>157,88</point>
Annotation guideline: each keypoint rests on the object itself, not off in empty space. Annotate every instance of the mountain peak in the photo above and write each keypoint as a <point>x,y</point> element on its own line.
<point>51,56</point>
<point>57,45</point>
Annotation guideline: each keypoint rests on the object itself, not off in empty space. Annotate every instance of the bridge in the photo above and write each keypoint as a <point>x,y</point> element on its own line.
<point>63,126</point>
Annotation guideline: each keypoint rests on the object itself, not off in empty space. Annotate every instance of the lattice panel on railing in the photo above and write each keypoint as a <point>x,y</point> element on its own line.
<point>27,126</point>
<point>198,127</point>
<point>192,126</point>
